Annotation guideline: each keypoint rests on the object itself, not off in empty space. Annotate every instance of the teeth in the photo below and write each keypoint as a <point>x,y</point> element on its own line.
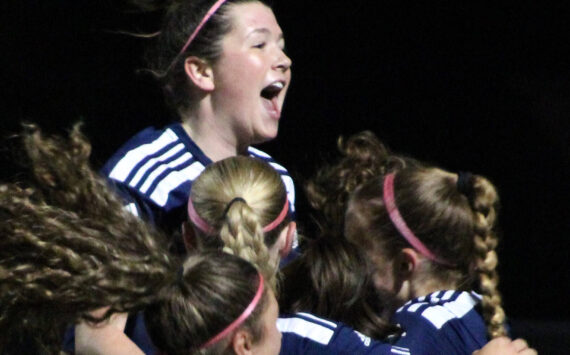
<point>278,85</point>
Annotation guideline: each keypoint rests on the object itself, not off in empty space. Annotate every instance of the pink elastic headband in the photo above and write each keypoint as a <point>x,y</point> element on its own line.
<point>208,229</point>
<point>401,225</point>
<point>236,323</point>
<point>205,19</point>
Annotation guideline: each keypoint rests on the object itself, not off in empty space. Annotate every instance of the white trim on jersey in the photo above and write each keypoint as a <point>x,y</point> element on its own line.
<point>170,182</point>
<point>306,329</point>
<point>279,168</point>
<point>150,163</point>
<point>399,350</point>
<point>290,188</point>
<point>438,315</point>
<point>447,295</point>
<point>124,167</point>
<point>258,152</point>
<point>317,319</point>
<point>162,168</point>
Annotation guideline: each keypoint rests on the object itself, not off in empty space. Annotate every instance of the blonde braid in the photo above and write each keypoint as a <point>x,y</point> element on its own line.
<point>243,236</point>
<point>240,224</point>
<point>485,242</point>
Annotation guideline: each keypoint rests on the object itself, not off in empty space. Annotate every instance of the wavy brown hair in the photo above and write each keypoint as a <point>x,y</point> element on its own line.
<point>361,157</point>
<point>68,247</point>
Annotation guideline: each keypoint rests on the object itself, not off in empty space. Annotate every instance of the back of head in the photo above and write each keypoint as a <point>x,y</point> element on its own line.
<point>331,279</point>
<point>239,197</point>
<point>213,289</point>
<point>453,220</point>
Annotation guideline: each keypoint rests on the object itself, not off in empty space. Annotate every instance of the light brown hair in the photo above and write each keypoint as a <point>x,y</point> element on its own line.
<point>69,247</point>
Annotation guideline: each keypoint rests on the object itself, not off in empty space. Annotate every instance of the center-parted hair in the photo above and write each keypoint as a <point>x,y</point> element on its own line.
<point>68,247</point>
<point>240,222</point>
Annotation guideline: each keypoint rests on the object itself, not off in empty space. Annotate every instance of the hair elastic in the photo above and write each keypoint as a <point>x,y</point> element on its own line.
<point>400,224</point>
<point>234,200</point>
<point>205,19</point>
<point>236,323</point>
<point>208,229</point>
<point>465,183</point>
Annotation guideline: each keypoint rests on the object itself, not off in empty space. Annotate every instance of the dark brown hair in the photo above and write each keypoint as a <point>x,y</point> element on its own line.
<point>331,280</point>
<point>181,18</point>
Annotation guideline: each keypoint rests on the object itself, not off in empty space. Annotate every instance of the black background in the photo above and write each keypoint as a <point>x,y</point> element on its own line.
<point>479,87</point>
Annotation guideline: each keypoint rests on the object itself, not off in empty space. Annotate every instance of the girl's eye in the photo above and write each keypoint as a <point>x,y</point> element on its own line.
<point>260,45</point>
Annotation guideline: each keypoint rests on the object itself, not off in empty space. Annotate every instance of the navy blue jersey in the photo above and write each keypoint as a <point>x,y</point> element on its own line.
<point>154,170</point>
<point>304,333</point>
<point>443,322</point>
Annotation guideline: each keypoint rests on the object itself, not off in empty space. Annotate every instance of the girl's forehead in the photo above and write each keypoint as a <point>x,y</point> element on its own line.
<point>251,17</point>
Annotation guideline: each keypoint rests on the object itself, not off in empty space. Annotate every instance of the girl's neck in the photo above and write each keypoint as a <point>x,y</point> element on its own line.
<point>214,138</point>
<point>424,286</point>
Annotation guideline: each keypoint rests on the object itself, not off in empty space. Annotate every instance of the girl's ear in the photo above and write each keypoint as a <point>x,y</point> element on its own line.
<point>242,343</point>
<point>286,239</point>
<point>200,73</point>
<point>408,262</point>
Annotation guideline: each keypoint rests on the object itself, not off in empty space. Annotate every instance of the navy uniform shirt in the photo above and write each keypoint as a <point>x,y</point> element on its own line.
<point>154,170</point>
<point>443,322</point>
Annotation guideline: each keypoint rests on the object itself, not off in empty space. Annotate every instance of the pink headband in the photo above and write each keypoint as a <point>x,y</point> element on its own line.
<point>401,225</point>
<point>205,19</point>
<point>208,229</point>
<point>236,323</point>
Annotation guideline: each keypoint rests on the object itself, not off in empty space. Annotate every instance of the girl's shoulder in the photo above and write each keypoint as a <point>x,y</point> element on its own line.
<point>304,333</point>
<point>442,322</point>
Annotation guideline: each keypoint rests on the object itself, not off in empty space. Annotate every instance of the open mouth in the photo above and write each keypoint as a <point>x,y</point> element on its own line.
<point>271,91</point>
<point>271,102</point>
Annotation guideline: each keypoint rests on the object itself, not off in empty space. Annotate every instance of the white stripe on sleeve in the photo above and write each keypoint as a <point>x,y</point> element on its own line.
<point>124,167</point>
<point>173,180</point>
<point>305,329</point>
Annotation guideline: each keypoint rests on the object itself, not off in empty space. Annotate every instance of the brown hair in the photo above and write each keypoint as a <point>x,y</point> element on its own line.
<point>331,280</point>
<point>181,18</point>
<point>455,226</point>
<point>240,223</point>
<point>213,290</point>
<point>362,156</point>
<point>68,247</point>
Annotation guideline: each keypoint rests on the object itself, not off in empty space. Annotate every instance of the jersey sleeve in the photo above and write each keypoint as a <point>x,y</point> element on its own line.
<point>153,173</point>
<point>304,333</point>
<point>444,322</point>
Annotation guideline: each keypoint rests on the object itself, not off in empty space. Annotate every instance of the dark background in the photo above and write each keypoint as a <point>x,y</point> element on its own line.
<point>479,87</point>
